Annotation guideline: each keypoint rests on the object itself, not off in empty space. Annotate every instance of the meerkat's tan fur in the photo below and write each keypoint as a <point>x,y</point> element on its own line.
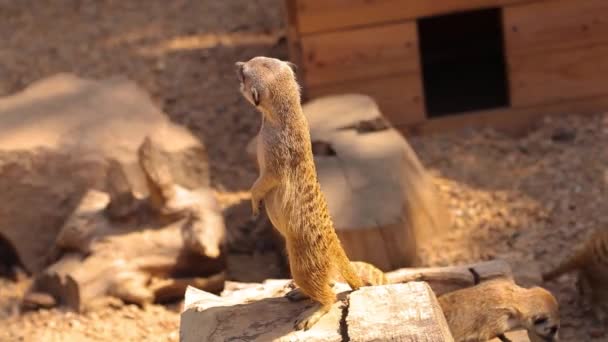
<point>591,262</point>
<point>490,309</point>
<point>289,187</point>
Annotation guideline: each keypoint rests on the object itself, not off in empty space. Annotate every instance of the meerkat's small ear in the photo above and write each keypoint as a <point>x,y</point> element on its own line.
<point>292,66</point>
<point>239,68</point>
<point>255,96</point>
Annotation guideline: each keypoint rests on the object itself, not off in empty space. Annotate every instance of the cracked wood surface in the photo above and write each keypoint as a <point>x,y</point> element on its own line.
<point>258,312</point>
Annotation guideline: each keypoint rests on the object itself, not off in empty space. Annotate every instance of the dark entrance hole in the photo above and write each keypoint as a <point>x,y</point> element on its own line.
<point>463,62</point>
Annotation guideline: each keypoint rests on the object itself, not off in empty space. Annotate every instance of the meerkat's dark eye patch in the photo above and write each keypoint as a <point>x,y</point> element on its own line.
<point>540,320</point>
<point>553,331</point>
<point>255,96</point>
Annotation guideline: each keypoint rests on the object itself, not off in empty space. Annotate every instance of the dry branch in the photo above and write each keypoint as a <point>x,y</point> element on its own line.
<point>452,278</point>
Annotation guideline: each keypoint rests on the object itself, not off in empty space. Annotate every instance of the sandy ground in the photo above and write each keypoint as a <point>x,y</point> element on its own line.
<point>527,199</point>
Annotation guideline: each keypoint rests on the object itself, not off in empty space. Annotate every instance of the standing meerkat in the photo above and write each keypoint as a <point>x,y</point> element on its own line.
<point>289,187</point>
<point>591,261</point>
<point>492,308</point>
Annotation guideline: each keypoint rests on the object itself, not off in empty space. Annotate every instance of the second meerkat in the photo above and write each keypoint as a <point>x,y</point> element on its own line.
<point>494,307</point>
<point>289,187</point>
<point>591,261</point>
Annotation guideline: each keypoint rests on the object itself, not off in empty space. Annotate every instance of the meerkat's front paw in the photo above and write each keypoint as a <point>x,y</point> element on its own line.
<point>296,295</point>
<point>305,321</point>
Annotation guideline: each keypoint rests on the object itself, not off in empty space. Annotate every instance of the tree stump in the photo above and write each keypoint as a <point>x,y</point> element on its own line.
<point>399,312</point>
<point>140,250</point>
<point>381,199</point>
<point>56,138</point>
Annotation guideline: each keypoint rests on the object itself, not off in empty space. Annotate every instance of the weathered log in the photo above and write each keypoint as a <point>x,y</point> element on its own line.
<point>447,279</point>
<point>138,250</point>
<point>55,139</point>
<point>381,199</point>
<point>127,261</point>
<point>400,312</point>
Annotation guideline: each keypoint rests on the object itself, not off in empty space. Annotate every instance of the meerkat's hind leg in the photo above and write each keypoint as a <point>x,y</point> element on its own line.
<point>319,291</point>
<point>297,294</point>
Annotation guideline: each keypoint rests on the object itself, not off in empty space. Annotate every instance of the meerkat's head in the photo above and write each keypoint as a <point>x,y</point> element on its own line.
<point>541,315</point>
<point>268,83</point>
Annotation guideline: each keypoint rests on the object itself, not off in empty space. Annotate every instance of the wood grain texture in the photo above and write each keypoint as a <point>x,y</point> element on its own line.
<point>565,24</point>
<point>322,15</point>
<point>413,305</point>
<point>558,75</point>
<point>357,54</point>
<point>399,97</point>
<point>451,278</point>
<point>564,56</point>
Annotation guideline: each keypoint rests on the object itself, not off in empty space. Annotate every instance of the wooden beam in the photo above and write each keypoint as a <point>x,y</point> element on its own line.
<point>361,53</point>
<point>510,120</point>
<point>322,15</point>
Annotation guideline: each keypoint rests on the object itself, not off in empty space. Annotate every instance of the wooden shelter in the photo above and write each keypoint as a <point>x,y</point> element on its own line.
<point>437,65</point>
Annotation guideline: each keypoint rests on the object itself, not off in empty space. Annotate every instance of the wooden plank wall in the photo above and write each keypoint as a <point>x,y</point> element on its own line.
<point>361,53</point>
<point>557,50</point>
<point>380,61</point>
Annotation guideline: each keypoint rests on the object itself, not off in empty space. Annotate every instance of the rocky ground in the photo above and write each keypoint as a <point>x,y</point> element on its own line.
<point>527,199</point>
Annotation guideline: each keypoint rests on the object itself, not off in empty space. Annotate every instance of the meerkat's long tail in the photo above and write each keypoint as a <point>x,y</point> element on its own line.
<point>369,274</point>
<point>348,272</point>
<point>566,266</point>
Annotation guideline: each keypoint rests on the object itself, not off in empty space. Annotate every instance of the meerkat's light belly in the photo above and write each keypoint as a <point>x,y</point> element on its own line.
<point>274,208</point>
